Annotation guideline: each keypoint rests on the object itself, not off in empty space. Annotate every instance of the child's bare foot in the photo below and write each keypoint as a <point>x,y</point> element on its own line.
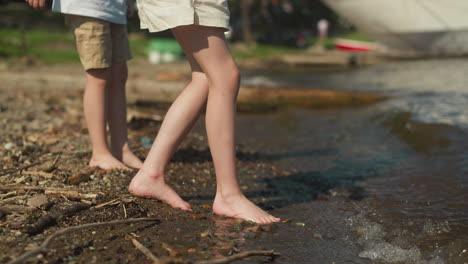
<point>143,185</point>
<point>107,162</point>
<point>239,206</point>
<point>131,159</point>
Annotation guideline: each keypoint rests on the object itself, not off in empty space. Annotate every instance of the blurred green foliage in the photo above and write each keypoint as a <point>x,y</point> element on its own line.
<point>276,25</point>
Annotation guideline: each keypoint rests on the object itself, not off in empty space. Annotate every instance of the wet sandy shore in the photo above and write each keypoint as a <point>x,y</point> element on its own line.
<point>46,127</point>
<point>312,165</point>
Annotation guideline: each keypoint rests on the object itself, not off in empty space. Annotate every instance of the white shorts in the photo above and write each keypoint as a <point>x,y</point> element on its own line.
<point>159,15</point>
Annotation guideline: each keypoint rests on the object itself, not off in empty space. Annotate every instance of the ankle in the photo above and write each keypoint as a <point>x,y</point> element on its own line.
<point>96,155</point>
<point>151,173</point>
<point>229,195</point>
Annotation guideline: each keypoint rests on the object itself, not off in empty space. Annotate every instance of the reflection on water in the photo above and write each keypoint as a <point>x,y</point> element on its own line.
<point>407,156</point>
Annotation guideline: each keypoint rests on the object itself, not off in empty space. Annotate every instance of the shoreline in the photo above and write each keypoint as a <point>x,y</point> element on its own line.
<point>55,124</point>
<point>329,222</point>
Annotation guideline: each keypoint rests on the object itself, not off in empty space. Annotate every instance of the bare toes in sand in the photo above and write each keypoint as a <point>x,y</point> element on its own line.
<point>145,186</point>
<point>240,207</point>
<point>107,162</point>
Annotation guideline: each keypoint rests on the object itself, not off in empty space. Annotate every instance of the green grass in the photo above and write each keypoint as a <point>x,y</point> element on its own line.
<point>356,36</point>
<point>261,51</point>
<point>50,47</point>
<point>59,46</point>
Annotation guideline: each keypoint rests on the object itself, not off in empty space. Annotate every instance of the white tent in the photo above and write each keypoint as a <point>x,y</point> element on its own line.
<point>434,26</point>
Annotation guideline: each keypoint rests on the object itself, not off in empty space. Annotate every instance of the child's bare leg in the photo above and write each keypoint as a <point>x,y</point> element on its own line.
<point>209,49</point>
<point>94,110</point>
<point>117,116</point>
<point>182,115</point>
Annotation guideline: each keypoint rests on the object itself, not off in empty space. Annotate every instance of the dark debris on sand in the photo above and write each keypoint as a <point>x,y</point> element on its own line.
<point>46,186</point>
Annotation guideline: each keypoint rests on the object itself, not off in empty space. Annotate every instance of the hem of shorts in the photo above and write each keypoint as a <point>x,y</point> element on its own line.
<point>210,22</point>
<point>214,24</point>
<point>101,16</point>
<point>97,66</point>
<point>105,65</point>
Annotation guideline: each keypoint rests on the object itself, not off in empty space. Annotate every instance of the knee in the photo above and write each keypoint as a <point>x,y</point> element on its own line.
<point>226,76</point>
<point>235,75</point>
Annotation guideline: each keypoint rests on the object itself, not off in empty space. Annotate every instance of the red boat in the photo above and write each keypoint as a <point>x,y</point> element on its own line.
<point>353,45</point>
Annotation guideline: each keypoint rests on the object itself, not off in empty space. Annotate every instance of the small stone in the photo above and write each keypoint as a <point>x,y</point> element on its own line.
<point>319,236</point>
<point>249,235</point>
<point>300,224</point>
<point>37,200</point>
<point>9,145</point>
<point>31,246</point>
<point>18,233</point>
<point>205,234</point>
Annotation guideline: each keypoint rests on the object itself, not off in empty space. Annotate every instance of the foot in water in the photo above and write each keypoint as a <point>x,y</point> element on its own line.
<point>239,206</point>
<point>144,185</point>
<point>107,162</point>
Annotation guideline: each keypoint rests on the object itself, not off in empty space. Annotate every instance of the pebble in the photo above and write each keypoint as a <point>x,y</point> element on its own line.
<point>249,235</point>
<point>319,236</point>
<point>18,233</point>
<point>9,145</point>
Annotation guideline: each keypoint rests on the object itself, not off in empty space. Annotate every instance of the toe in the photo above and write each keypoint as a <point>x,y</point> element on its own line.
<point>185,206</point>
<point>263,220</point>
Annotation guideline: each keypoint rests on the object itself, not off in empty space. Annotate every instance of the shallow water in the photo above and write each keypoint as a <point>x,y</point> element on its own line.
<point>406,157</point>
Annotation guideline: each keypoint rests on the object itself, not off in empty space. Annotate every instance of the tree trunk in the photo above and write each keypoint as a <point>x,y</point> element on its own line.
<point>246,27</point>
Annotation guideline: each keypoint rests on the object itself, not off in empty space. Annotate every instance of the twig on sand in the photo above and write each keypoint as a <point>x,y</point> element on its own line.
<point>47,175</point>
<point>12,199</point>
<point>51,219</point>
<point>8,194</point>
<point>19,187</point>
<point>13,170</point>
<point>8,209</point>
<point>43,247</point>
<point>111,202</point>
<point>70,194</point>
<point>8,171</point>
<point>169,260</point>
<point>246,254</point>
<point>125,210</point>
<point>145,251</point>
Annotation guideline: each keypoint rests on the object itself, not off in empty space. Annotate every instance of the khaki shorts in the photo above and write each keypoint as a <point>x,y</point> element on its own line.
<point>158,15</point>
<point>99,43</point>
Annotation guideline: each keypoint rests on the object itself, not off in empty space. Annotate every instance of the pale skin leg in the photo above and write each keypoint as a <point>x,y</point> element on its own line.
<point>117,116</point>
<point>180,118</point>
<point>222,75</point>
<point>94,102</point>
